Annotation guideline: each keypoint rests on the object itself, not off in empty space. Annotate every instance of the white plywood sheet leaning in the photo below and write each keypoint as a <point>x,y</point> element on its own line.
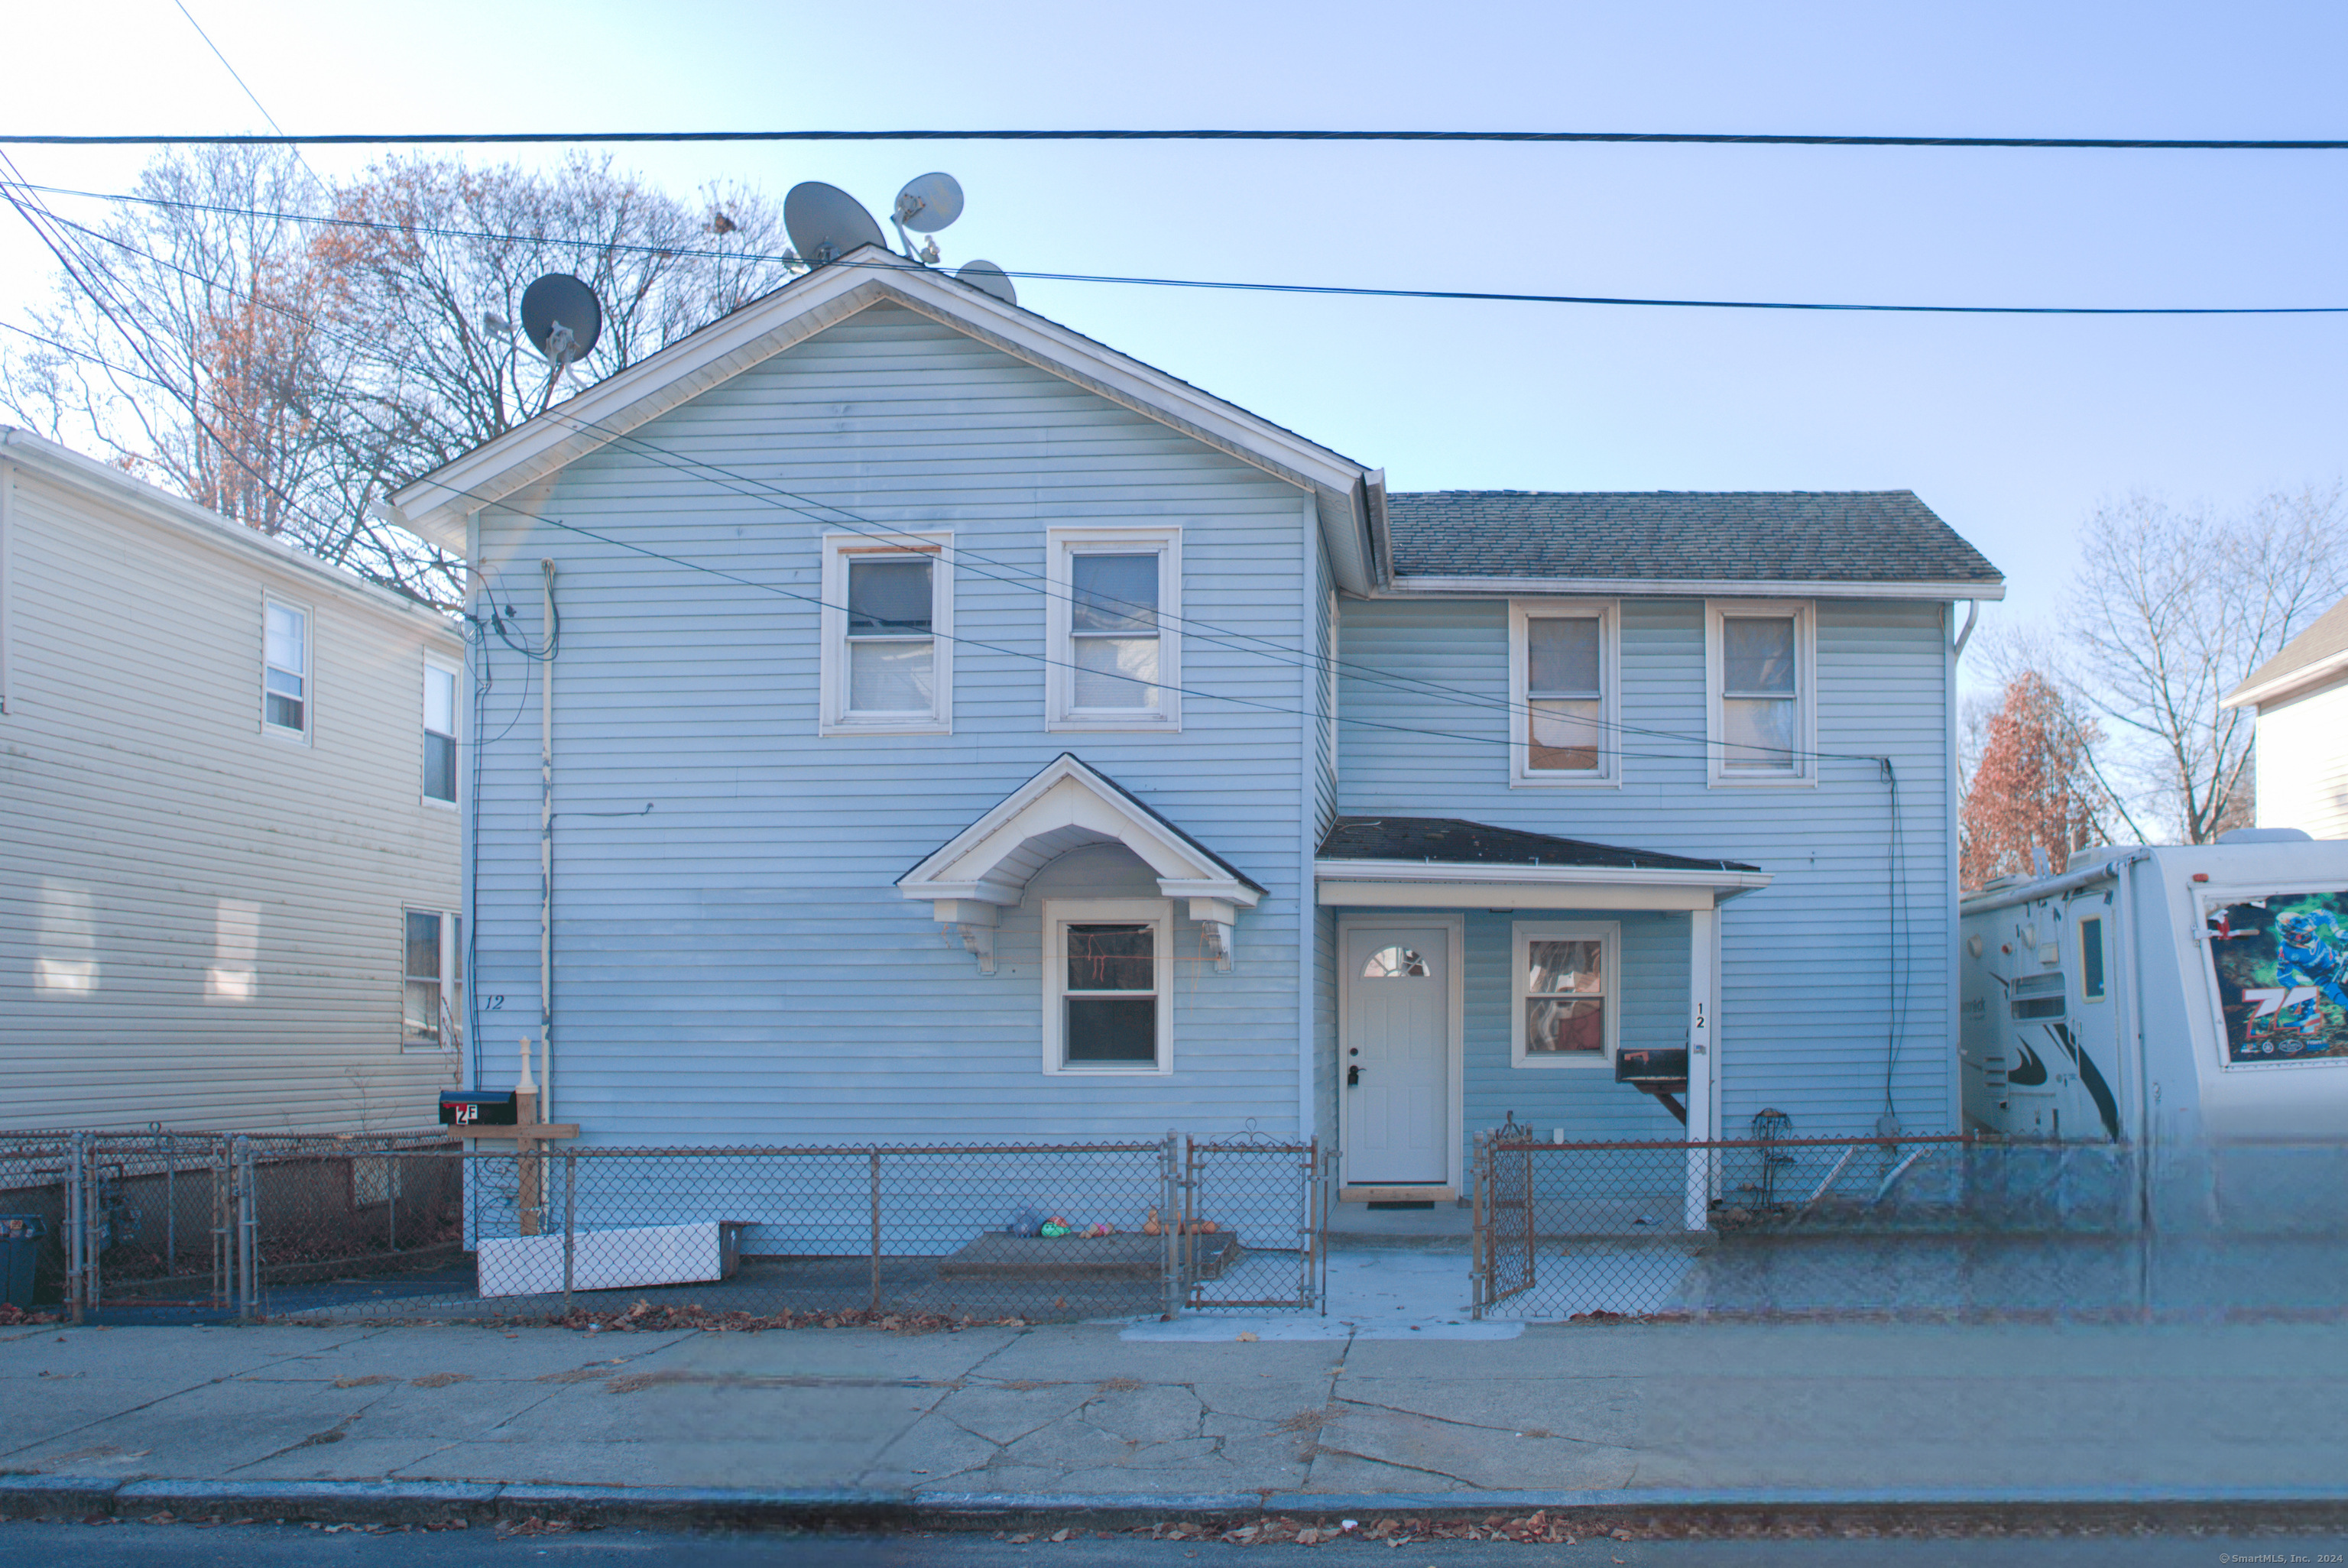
<point>608,1260</point>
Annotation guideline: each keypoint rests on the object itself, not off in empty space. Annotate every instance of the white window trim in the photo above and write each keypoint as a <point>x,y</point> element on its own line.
<point>839,549</point>
<point>1608,775</point>
<point>452,1002</point>
<point>309,672</point>
<point>1608,933</point>
<point>1059,914</point>
<point>1060,545</point>
<point>1804,773</point>
<point>457,717</point>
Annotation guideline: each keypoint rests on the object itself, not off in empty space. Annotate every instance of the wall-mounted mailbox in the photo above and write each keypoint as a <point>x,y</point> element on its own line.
<point>477,1108</point>
<point>1663,1066</point>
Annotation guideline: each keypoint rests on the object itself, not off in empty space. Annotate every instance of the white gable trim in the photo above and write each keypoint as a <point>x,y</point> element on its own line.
<point>985,867</point>
<point>436,505</point>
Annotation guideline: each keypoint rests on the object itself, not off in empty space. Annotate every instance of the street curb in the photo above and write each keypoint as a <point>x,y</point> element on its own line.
<point>1665,1509</point>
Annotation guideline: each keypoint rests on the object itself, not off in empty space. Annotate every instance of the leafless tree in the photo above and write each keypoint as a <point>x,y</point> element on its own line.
<point>2170,610</point>
<point>288,373</point>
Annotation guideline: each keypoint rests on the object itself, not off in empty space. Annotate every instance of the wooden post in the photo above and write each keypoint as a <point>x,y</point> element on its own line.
<point>526,1161</point>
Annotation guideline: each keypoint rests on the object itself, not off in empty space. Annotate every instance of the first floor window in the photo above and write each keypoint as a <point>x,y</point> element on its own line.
<point>285,668</point>
<point>433,993</point>
<point>1565,994</point>
<point>1106,1000</point>
<point>439,733</point>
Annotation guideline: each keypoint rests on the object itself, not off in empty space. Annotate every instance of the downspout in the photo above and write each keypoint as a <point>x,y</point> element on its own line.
<point>546,855</point>
<point>1308,907</point>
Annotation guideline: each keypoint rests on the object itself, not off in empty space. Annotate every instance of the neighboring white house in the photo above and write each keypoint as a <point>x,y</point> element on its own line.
<point>2300,696</point>
<point>229,847</point>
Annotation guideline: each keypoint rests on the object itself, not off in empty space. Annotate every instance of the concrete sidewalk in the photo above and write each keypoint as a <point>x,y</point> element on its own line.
<point>1077,1415</point>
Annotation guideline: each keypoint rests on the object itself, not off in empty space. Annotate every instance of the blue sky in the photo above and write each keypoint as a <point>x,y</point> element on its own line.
<point>2011,428</point>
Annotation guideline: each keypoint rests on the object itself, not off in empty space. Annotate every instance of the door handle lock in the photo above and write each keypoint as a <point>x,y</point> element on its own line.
<point>1352,1076</point>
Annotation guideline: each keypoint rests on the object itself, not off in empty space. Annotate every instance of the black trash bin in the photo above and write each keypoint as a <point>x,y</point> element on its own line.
<point>21,1237</point>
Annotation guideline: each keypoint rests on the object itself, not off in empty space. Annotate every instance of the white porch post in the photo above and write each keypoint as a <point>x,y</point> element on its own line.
<point>1702,989</point>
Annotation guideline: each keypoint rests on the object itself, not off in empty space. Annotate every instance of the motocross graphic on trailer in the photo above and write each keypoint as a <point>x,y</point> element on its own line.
<point>2281,968</point>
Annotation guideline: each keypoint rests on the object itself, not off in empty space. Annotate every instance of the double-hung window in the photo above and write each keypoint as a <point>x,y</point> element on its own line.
<point>1564,659</point>
<point>888,635</point>
<point>1108,1005</point>
<point>1113,608</point>
<point>432,968</point>
<point>286,669</point>
<point>439,733</point>
<point>1565,994</point>
<point>1761,668</point>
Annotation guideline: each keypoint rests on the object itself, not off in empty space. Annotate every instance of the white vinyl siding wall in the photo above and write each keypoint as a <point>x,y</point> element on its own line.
<point>738,965</point>
<point>234,902</point>
<point>2302,762</point>
<point>1805,1003</point>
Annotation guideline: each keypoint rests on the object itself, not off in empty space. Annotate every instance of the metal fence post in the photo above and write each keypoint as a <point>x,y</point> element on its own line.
<point>77,1162</point>
<point>569,1221</point>
<point>248,1269</point>
<point>876,1229</point>
<point>1479,1229</point>
<point>1171,1218</point>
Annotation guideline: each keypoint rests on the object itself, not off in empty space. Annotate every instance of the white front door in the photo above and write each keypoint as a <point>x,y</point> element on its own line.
<point>1395,1060</point>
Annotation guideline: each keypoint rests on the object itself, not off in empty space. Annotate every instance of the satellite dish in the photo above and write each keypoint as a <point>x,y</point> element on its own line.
<point>929,202</point>
<point>561,317</point>
<point>826,222</point>
<point>989,279</point>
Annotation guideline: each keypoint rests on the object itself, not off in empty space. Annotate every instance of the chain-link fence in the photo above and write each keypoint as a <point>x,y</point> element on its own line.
<point>158,1226</point>
<point>1914,1226</point>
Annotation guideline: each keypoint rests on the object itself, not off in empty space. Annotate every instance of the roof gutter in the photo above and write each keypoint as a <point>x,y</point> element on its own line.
<point>1686,587</point>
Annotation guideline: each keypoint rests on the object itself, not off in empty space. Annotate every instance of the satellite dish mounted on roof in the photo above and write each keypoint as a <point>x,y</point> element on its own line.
<point>928,204</point>
<point>561,317</point>
<point>989,279</point>
<point>826,222</point>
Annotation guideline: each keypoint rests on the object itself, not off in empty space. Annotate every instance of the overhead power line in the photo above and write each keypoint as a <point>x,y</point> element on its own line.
<point>1695,138</point>
<point>1351,291</point>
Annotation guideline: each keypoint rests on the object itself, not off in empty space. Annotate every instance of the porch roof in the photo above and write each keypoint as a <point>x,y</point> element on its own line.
<point>1443,862</point>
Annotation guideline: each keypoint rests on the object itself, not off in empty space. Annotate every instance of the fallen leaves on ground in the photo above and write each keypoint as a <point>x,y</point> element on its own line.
<point>646,1318</point>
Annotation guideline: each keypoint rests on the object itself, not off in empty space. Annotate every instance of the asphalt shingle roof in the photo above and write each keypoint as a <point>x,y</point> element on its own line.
<point>2327,636</point>
<point>1664,536</point>
<point>1450,840</point>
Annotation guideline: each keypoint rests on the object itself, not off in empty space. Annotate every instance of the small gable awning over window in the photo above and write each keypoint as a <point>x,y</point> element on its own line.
<point>985,866</point>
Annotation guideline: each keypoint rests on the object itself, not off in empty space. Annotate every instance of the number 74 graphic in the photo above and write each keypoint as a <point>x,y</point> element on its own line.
<point>2272,1000</point>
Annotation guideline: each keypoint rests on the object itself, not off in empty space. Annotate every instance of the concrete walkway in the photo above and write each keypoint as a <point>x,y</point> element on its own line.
<point>1598,1414</point>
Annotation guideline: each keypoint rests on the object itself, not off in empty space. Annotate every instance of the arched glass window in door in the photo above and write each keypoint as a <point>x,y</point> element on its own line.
<point>1395,963</point>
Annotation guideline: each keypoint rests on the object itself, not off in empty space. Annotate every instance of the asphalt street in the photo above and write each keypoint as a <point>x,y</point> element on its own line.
<point>133,1545</point>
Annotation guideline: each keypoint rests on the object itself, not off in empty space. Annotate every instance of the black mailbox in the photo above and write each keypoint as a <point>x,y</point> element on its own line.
<point>477,1108</point>
<point>1664,1066</point>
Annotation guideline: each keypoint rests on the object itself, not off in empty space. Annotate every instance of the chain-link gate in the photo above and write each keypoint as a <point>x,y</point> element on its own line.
<point>1503,1250</point>
<point>1251,1226</point>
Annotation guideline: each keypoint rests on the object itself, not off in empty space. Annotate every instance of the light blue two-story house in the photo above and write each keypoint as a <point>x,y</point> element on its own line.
<point>947,727</point>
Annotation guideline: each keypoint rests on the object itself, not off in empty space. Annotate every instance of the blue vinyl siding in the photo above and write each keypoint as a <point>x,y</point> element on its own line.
<point>738,966</point>
<point>1808,985</point>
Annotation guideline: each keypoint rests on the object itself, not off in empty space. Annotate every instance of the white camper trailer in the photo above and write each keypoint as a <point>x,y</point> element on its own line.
<point>2195,994</point>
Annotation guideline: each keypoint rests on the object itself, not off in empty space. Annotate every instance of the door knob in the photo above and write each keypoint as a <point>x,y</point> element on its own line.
<point>1352,1076</point>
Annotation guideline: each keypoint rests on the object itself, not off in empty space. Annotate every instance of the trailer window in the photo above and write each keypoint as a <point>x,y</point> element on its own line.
<point>2091,960</point>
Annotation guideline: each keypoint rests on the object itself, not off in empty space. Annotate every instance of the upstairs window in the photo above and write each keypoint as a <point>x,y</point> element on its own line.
<point>1761,661</point>
<point>1108,1005</point>
<point>286,669</point>
<point>1112,612</point>
<point>888,664</point>
<point>439,733</point>
<point>1564,657</point>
